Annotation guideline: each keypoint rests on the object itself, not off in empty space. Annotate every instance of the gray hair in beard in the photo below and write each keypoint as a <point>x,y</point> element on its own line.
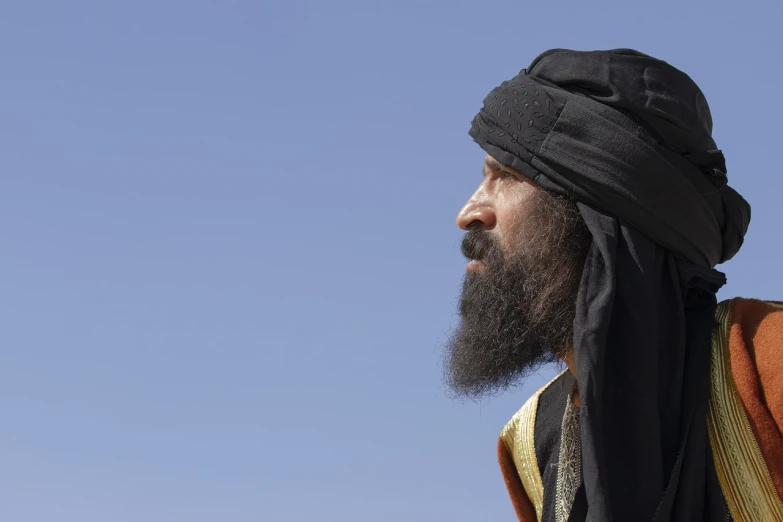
<point>517,312</point>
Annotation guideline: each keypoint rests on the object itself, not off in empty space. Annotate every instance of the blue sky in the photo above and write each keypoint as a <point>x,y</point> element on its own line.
<point>230,259</point>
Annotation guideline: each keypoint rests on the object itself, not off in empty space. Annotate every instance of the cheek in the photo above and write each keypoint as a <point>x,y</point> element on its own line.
<point>511,217</point>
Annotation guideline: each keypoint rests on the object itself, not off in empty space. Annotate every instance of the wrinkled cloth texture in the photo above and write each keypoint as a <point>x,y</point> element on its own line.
<point>629,138</point>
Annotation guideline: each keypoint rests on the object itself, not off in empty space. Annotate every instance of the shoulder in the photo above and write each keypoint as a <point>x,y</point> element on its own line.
<point>754,331</point>
<point>523,421</point>
<point>754,315</point>
<point>518,460</point>
<point>746,404</point>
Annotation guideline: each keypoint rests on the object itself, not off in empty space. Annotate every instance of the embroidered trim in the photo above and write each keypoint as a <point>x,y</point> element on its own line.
<point>518,437</point>
<point>742,472</point>
<point>569,462</point>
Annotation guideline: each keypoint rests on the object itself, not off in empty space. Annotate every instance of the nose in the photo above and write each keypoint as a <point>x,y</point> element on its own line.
<point>476,213</point>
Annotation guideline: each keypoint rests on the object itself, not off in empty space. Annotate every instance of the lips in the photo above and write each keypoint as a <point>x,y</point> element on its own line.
<point>474,264</point>
<point>476,245</point>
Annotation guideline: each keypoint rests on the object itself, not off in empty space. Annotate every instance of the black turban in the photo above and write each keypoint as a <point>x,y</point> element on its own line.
<point>629,137</point>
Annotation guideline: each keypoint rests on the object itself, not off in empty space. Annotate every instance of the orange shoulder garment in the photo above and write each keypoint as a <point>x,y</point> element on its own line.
<point>755,339</point>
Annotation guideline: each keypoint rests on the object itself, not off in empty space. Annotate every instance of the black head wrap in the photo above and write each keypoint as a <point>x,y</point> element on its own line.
<point>629,138</point>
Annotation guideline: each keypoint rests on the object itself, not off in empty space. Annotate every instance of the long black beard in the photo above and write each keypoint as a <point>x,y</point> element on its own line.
<point>517,312</point>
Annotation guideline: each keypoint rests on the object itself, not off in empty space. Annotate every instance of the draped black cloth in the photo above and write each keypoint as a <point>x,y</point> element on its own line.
<point>629,138</point>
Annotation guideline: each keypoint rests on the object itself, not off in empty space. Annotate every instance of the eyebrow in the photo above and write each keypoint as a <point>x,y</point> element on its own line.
<point>493,164</point>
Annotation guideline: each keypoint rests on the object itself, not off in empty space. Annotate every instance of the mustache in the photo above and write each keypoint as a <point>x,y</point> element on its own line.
<point>478,244</point>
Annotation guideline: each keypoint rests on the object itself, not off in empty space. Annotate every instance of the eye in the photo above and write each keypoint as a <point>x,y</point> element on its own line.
<point>504,174</point>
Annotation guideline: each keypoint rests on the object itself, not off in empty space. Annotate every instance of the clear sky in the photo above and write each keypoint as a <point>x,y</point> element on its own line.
<point>229,254</point>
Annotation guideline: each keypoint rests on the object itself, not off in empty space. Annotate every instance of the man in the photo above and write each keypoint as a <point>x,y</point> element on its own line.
<point>592,239</point>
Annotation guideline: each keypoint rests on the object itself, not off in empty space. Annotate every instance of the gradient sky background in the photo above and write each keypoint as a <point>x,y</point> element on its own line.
<point>230,259</point>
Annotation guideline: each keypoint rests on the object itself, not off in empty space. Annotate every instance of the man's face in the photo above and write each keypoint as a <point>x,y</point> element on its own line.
<point>500,204</point>
<point>526,250</point>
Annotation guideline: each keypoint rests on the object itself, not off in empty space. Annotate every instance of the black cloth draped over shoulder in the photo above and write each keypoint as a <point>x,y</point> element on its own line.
<point>629,137</point>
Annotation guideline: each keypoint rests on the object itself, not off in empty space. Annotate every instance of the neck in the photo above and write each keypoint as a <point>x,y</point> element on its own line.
<point>571,364</point>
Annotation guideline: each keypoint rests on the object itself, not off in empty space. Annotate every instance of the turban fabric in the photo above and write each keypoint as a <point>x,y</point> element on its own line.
<point>629,138</point>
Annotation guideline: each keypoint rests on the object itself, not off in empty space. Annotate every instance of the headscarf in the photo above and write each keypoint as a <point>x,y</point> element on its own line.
<point>629,137</point>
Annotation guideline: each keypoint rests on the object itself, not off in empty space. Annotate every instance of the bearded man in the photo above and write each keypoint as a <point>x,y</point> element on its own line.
<point>592,239</point>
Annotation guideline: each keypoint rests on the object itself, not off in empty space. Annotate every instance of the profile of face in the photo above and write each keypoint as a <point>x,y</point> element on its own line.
<point>525,249</point>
